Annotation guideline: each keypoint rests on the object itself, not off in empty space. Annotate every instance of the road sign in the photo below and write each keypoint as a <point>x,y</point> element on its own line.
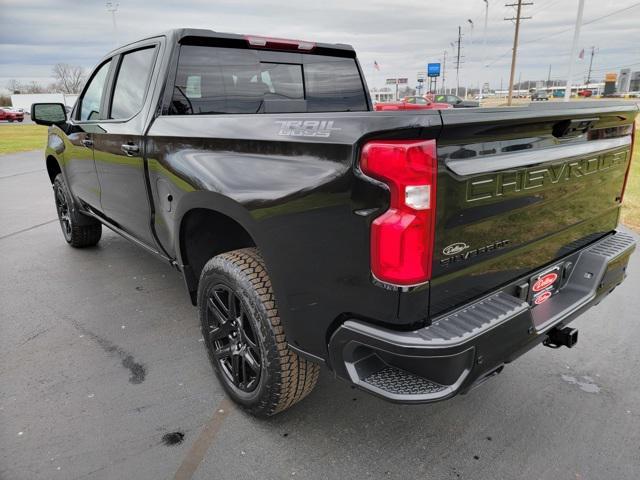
<point>433,69</point>
<point>391,81</point>
<point>403,81</point>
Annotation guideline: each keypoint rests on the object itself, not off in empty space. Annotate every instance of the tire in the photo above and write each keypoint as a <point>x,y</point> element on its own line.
<point>244,336</point>
<point>79,230</point>
<point>20,119</point>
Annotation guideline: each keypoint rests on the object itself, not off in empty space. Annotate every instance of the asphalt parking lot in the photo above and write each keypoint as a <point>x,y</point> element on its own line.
<point>103,375</point>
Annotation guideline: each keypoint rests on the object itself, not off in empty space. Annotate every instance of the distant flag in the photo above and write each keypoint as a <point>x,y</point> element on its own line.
<point>376,66</point>
<point>581,56</point>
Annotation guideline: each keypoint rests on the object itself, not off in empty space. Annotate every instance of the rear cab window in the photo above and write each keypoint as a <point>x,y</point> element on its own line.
<point>219,80</point>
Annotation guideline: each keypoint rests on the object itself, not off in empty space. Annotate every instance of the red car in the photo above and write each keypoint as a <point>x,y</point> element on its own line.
<point>412,103</point>
<point>585,93</point>
<point>10,115</point>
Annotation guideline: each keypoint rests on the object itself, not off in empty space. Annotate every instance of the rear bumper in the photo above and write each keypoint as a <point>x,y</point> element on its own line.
<point>463,348</point>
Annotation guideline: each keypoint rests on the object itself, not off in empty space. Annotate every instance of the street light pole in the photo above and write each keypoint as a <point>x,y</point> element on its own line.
<point>113,8</point>
<point>458,61</point>
<point>574,46</point>
<point>444,71</point>
<point>484,48</point>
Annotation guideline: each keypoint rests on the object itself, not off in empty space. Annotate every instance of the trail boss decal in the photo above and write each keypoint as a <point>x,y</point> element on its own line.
<point>307,128</point>
<point>461,256</point>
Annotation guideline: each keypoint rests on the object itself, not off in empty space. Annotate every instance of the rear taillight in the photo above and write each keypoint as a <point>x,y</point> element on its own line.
<point>402,237</point>
<point>279,43</point>
<point>626,175</point>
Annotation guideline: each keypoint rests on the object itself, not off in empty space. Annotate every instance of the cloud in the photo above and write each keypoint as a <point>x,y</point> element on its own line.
<point>401,35</point>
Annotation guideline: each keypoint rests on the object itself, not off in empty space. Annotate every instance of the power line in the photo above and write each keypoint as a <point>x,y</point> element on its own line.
<point>597,19</point>
<point>602,69</point>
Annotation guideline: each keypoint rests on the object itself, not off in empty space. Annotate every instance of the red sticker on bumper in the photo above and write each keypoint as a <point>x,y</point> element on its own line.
<point>543,297</point>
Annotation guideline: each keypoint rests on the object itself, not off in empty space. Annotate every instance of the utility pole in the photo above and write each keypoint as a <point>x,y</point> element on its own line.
<point>517,19</point>
<point>458,60</point>
<point>113,8</point>
<point>574,46</point>
<point>444,71</point>
<point>484,48</point>
<point>593,52</point>
<point>549,77</point>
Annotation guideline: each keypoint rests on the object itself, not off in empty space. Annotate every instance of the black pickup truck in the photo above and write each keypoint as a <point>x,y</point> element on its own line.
<point>413,253</point>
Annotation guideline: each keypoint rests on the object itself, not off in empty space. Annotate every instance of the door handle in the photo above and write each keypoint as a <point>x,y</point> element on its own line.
<point>87,142</point>
<point>129,149</point>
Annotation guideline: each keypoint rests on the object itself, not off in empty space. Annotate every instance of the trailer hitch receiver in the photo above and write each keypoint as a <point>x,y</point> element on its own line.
<point>558,337</point>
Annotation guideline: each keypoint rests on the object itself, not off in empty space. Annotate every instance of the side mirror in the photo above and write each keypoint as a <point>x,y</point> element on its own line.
<point>48,113</point>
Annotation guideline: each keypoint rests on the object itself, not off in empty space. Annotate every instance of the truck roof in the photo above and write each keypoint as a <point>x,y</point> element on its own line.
<point>178,35</point>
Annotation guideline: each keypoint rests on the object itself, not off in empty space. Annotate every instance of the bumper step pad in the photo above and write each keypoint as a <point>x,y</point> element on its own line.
<point>400,382</point>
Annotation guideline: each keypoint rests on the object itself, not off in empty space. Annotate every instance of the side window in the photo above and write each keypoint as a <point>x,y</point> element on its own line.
<point>133,76</point>
<point>421,101</point>
<point>411,99</point>
<point>89,105</point>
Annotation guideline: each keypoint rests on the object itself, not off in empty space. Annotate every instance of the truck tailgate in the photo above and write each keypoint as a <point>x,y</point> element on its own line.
<point>519,188</point>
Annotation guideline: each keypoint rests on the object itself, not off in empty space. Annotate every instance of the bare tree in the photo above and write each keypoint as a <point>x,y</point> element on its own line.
<point>14,86</point>
<point>69,78</point>
<point>34,87</point>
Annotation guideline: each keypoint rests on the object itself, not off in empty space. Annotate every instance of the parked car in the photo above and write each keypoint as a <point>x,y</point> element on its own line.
<point>455,101</point>
<point>10,115</point>
<point>585,93</point>
<point>539,95</point>
<point>411,103</point>
<point>413,253</point>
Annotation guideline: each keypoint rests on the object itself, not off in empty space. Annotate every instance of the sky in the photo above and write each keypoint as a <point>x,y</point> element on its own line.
<point>402,36</point>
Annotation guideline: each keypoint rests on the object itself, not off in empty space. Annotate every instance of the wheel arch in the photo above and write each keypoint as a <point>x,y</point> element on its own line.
<point>53,167</point>
<point>199,237</point>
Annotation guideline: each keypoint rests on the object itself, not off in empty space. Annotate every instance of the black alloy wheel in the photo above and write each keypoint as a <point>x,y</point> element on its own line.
<point>64,213</point>
<point>232,338</point>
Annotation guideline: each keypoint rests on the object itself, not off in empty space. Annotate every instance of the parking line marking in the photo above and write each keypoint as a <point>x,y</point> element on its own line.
<point>21,173</point>
<point>199,448</point>
<point>27,229</point>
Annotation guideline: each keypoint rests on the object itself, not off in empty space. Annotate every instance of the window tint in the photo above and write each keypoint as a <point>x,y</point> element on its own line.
<point>283,80</point>
<point>228,80</point>
<point>131,83</point>
<point>219,80</point>
<point>421,101</point>
<point>333,85</point>
<point>90,102</point>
